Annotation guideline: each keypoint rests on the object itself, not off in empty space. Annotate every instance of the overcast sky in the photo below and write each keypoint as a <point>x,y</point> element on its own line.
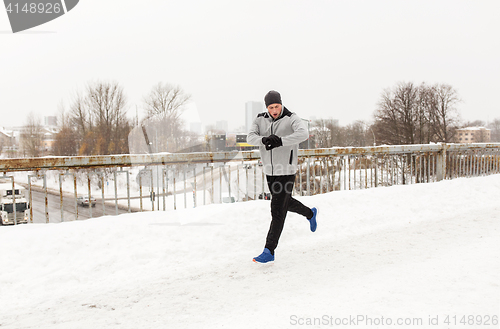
<point>328,59</point>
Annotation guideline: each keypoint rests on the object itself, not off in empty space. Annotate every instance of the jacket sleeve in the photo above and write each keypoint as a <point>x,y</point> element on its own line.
<point>254,137</point>
<point>300,132</point>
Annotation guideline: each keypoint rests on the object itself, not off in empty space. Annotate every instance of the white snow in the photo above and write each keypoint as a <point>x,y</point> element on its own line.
<point>474,128</point>
<point>403,253</point>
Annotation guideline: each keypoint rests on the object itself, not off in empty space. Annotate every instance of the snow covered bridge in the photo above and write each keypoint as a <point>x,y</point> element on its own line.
<point>162,181</point>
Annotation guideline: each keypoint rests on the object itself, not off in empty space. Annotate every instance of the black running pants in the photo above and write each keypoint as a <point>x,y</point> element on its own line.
<point>281,188</point>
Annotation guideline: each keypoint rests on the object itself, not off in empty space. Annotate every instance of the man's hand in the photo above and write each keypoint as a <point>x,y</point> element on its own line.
<point>272,141</point>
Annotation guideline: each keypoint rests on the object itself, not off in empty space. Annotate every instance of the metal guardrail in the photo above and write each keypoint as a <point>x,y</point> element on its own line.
<point>166,176</point>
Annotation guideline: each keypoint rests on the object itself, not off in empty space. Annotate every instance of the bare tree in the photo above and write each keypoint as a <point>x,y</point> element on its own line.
<point>337,133</point>
<point>32,136</point>
<point>397,114</point>
<point>80,115</point>
<point>166,101</point>
<point>444,116</point>
<point>66,140</point>
<point>408,114</point>
<point>328,133</point>
<point>106,103</point>
<point>66,143</point>
<point>475,123</point>
<point>3,142</point>
<point>164,106</point>
<point>356,134</point>
<point>426,102</point>
<point>322,134</point>
<point>96,121</point>
<point>495,130</point>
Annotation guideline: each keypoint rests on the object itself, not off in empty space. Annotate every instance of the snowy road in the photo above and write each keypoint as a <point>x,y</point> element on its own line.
<point>54,208</point>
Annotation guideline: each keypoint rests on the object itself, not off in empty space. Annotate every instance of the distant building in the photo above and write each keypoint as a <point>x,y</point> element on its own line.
<point>48,139</point>
<point>8,142</point>
<point>221,125</point>
<point>473,135</point>
<point>251,111</point>
<point>241,138</point>
<point>6,138</point>
<point>241,143</point>
<point>216,143</point>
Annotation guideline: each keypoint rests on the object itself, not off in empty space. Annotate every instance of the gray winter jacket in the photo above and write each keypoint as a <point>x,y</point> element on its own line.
<point>289,126</point>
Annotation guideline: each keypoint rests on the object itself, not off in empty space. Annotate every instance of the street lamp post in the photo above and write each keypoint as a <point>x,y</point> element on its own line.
<point>308,132</point>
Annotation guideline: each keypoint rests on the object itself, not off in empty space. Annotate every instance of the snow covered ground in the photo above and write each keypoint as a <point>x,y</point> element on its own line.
<point>417,256</point>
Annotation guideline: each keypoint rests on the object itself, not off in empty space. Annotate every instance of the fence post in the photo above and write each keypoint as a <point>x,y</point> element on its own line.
<point>441,163</point>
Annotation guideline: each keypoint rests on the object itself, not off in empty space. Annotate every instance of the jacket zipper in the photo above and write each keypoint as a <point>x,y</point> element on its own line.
<point>272,167</point>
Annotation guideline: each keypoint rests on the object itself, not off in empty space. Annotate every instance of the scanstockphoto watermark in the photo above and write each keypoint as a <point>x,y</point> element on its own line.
<point>452,321</point>
<point>353,320</point>
<point>26,14</point>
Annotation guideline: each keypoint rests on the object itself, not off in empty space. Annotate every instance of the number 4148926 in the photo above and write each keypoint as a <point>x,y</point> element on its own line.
<point>472,320</point>
<point>33,8</point>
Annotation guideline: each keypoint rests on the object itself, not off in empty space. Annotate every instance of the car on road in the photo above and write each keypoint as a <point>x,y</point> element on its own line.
<point>265,196</point>
<point>10,214</point>
<point>84,201</point>
<point>226,198</point>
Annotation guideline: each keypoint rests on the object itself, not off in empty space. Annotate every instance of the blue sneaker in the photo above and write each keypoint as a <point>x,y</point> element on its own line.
<point>312,221</point>
<point>265,257</point>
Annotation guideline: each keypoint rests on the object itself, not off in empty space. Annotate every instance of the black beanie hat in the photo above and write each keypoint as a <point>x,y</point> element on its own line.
<point>272,97</point>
